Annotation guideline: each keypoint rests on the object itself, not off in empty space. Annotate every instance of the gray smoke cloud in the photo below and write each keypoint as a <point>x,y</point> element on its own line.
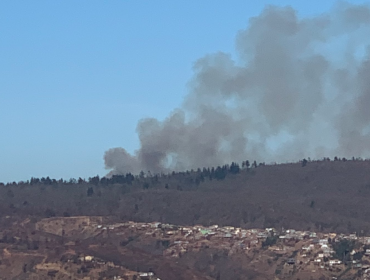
<point>300,87</point>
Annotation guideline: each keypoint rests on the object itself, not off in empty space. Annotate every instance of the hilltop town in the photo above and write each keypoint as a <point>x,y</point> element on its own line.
<point>307,252</point>
<point>100,248</point>
<point>305,220</point>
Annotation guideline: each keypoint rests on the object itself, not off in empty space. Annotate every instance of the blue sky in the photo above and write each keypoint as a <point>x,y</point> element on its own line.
<point>76,76</point>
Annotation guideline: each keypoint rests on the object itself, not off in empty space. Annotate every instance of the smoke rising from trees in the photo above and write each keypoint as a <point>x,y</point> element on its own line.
<point>300,87</point>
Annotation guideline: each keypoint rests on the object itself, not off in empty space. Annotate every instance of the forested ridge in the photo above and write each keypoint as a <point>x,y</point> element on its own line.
<point>324,195</point>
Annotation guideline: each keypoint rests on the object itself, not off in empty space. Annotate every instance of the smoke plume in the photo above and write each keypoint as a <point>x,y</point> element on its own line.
<point>300,87</point>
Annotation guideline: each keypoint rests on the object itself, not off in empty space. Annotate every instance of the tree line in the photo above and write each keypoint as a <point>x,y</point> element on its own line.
<point>218,173</point>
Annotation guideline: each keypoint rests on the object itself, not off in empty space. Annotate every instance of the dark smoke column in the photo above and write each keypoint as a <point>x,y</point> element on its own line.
<point>300,89</point>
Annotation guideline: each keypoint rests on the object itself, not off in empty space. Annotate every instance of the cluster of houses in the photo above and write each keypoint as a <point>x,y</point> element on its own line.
<point>311,249</point>
<point>107,264</point>
<point>141,276</point>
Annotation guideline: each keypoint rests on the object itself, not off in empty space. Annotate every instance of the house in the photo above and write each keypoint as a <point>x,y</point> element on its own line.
<point>228,228</point>
<point>275,248</point>
<point>146,275</point>
<point>366,240</point>
<point>291,261</point>
<point>308,248</point>
<point>327,252</point>
<point>262,235</point>
<point>352,236</point>
<point>87,258</point>
<point>334,262</point>
<point>323,242</point>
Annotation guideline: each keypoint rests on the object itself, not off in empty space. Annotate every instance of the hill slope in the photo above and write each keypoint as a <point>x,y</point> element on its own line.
<point>323,195</point>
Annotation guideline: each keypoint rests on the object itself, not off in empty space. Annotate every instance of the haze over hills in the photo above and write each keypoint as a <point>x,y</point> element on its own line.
<point>298,88</point>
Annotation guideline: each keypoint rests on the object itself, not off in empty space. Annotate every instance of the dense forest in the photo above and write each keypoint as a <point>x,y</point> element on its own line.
<point>325,195</point>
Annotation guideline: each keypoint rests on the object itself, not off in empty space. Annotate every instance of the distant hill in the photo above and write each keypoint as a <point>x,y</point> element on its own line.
<point>317,195</point>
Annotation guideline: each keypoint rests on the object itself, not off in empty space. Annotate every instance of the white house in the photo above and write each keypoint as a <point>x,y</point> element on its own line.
<point>334,262</point>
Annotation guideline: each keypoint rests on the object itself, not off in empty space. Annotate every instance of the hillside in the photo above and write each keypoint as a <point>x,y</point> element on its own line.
<point>328,196</point>
<point>97,248</point>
